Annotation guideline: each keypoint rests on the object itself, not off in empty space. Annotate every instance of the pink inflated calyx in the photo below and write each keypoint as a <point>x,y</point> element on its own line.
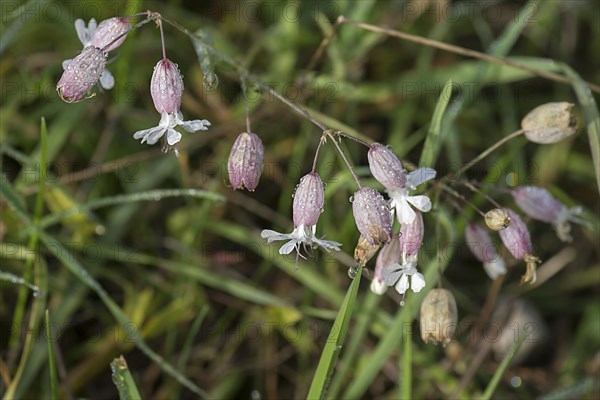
<point>516,236</point>
<point>109,30</point>
<point>372,215</point>
<point>166,87</point>
<point>538,203</point>
<point>386,167</point>
<point>309,199</point>
<point>411,236</point>
<point>246,160</point>
<point>81,74</point>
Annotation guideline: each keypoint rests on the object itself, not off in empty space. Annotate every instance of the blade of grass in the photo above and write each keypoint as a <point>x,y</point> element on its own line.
<point>489,391</point>
<point>63,255</point>
<point>435,138</point>
<point>590,114</point>
<point>151,195</point>
<point>405,383</point>
<point>123,380</point>
<point>336,337</point>
<point>17,280</point>
<point>51,365</point>
<point>19,312</point>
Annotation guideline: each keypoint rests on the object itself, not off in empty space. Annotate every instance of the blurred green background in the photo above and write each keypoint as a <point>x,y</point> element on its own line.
<point>189,270</point>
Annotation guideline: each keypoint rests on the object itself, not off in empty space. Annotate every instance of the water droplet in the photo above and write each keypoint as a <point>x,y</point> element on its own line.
<point>255,395</point>
<point>351,199</point>
<point>36,293</point>
<point>352,272</point>
<point>156,197</point>
<point>402,303</point>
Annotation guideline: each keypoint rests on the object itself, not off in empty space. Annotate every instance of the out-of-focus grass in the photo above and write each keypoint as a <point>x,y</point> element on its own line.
<point>190,277</point>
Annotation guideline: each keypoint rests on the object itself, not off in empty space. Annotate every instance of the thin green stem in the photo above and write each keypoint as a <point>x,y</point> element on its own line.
<point>339,149</point>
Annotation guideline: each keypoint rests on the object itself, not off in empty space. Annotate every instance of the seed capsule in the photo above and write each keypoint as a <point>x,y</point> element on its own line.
<point>550,123</point>
<point>438,317</point>
<point>497,219</point>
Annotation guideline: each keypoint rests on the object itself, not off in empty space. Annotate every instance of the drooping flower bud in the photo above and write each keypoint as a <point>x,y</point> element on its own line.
<point>497,219</point>
<point>550,123</point>
<point>516,236</point>
<point>386,167</point>
<point>411,236</point>
<point>539,204</point>
<point>166,87</point>
<point>372,215</point>
<point>108,30</point>
<point>481,245</point>
<point>308,200</point>
<point>438,317</point>
<point>388,256</point>
<point>517,240</point>
<point>81,74</point>
<point>246,161</point>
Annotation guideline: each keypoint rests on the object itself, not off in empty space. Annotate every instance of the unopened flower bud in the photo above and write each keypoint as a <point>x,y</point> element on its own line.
<point>108,30</point>
<point>81,74</point>
<point>481,245</point>
<point>550,123</point>
<point>386,167</point>
<point>372,215</point>
<point>438,317</point>
<point>308,200</point>
<point>497,219</point>
<point>364,250</point>
<point>166,87</point>
<point>516,236</point>
<point>246,161</point>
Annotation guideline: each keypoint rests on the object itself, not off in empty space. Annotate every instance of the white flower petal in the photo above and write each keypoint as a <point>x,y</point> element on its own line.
<point>327,244</point>
<point>418,176</point>
<point>273,236</point>
<point>173,137</point>
<point>495,268</point>
<point>404,213</point>
<point>378,286</point>
<point>422,203</point>
<point>195,125</point>
<point>402,285</point>
<point>147,134</point>
<point>66,63</point>
<point>288,247</point>
<point>417,282</point>
<point>107,80</point>
<point>392,277</point>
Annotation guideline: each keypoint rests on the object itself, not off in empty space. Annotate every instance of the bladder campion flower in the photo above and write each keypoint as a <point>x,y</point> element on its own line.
<point>550,123</point>
<point>539,204</point>
<point>372,215</point>
<point>438,317</point>
<point>496,219</point>
<point>245,162</point>
<point>388,257</point>
<point>388,170</point>
<point>517,240</point>
<point>166,88</point>
<point>309,199</point>
<point>411,239</point>
<point>81,74</point>
<point>481,245</point>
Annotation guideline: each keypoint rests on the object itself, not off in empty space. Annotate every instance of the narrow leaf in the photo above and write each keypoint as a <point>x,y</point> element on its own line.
<point>434,139</point>
<point>123,380</point>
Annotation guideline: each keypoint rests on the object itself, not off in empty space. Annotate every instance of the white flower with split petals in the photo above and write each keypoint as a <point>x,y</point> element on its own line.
<point>308,205</point>
<point>166,89</point>
<point>404,276</point>
<point>401,200</point>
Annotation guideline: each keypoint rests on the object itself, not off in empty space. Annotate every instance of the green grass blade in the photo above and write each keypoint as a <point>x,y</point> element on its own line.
<point>17,280</point>
<point>151,195</point>
<point>334,343</point>
<point>51,365</point>
<point>434,139</point>
<point>489,391</point>
<point>405,386</point>
<point>590,114</point>
<point>63,255</point>
<point>123,380</point>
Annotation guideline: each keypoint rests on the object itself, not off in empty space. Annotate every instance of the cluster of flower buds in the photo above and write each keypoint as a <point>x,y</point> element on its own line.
<point>307,207</point>
<point>84,71</point>
<point>539,204</point>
